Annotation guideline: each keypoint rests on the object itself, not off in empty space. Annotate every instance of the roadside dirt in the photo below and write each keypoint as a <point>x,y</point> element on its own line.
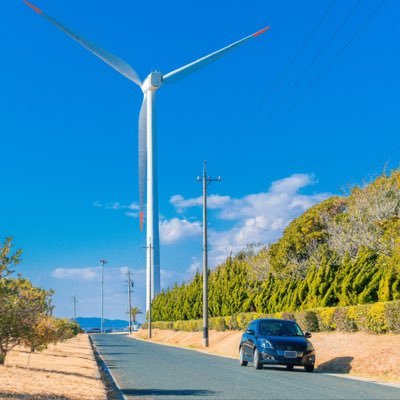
<point>371,356</point>
<point>65,371</point>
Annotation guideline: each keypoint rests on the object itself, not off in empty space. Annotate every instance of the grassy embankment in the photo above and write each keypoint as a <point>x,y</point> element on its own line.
<point>65,371</point>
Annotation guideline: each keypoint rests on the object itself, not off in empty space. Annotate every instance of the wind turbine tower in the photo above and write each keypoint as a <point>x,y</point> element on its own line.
<point>148,136</point>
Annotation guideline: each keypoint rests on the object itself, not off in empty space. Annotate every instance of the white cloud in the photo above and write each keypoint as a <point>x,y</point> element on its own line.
<point>75,273</point>
<point>214,201</point>
<point>116,205</point>
<point>177,229</point>
<point>259,217</point>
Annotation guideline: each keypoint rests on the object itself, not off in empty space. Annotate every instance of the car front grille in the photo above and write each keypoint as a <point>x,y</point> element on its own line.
<point>289,348</point>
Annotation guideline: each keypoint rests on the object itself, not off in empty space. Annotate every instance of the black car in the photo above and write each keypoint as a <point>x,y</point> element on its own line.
<point>276,342</point>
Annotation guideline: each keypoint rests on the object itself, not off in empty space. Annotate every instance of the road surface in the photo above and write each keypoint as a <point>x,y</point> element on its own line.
<point>152,371</point>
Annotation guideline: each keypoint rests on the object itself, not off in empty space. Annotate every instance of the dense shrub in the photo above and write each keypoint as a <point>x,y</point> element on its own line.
<point>344,251</point>
<point>307,320</point>
<point>372,318</point>
<point>392,316</point>
<point>326,319</point>
<point>344,319</point>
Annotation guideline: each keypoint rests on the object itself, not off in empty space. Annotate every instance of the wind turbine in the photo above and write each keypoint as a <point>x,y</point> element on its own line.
<point>147,135</point>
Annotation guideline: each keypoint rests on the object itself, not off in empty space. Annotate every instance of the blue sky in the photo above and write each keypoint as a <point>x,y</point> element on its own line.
<point>68,130</point>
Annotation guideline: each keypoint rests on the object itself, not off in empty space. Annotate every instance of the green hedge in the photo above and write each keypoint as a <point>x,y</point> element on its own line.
<point>382,317</point>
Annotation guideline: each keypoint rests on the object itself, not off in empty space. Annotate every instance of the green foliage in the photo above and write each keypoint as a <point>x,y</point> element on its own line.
<point>342,252</point>
<point>371,318</point>
<point>25,311</point>
<point>22,307</point>
<point>134,312</point>
<point>308,320</point>
<point>8,260</point>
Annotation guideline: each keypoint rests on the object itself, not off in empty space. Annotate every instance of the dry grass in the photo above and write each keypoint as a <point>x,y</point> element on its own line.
<point>65,371</point>
<point>360,354</point>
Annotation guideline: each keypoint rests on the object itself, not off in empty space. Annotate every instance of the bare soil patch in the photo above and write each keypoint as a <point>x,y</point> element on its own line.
<point>65,371</point>
<point>370,356</point>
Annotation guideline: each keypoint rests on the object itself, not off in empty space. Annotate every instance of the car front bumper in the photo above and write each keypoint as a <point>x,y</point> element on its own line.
<point>272,356</point>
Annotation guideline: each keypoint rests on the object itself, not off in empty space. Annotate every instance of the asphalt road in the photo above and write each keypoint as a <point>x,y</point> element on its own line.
<point>152,371</point>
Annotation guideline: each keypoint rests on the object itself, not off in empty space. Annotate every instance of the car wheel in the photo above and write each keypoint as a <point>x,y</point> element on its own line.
<point>256,359</point>
<point>309,368</point>
<point>241,361</point>
<point>289,367</point>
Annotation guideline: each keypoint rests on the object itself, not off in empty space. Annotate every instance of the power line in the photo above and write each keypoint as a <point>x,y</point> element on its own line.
<point>314,83</point>
<point>286,70</point>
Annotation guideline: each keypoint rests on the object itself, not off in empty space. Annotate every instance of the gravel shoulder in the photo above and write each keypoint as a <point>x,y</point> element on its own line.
<point>376,357</point>
<point>65,371</point>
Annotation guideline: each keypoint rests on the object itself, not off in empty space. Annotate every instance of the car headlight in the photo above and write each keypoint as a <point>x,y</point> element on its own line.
<point>309,346</point>
<point>265,344</point>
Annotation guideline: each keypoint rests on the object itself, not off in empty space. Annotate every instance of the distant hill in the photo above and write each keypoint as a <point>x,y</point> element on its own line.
<point>94,322</point>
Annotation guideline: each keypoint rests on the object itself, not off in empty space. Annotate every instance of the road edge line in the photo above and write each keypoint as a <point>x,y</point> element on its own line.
<point>106,375</point>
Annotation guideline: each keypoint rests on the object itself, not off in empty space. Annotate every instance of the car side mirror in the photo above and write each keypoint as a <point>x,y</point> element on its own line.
<point>307,335</point>
<point>251,332</point>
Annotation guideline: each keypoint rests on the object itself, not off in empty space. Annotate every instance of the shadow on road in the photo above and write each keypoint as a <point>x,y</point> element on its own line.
<point>338,364</point>
<point>166,392</point>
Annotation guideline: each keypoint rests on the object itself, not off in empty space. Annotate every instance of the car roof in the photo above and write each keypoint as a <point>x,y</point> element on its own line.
<point>273,319</point>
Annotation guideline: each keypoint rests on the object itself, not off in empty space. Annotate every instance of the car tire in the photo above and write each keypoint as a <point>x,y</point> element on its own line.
<point>289,367</point>
<point>241,361</point>
<point>309,368</point>
<point>256,359</point>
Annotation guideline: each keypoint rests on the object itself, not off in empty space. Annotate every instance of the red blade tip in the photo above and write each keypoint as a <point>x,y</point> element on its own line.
<point>141,216</point>
<point>260,32</point>
<point>34,8</point>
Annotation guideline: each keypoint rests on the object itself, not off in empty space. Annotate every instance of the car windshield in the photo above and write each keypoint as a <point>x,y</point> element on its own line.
<point>280,328</point>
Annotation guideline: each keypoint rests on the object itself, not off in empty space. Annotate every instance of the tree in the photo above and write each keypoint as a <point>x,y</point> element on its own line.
<point>50,330</point>
<point>8,260</point>
<point>134,312</point>
<point>22,307</point>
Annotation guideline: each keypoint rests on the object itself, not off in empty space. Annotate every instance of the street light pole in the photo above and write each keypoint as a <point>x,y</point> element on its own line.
<point>74,301</point>
<point>205,180</point>
<point>102,262</point>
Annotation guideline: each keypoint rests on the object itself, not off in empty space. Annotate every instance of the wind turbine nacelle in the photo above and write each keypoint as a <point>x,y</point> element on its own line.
<point>152,82</point>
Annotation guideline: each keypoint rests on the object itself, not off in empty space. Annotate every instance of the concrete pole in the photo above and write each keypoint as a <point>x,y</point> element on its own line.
<point>102,262</point>
<point>205,180</point>
<point>74,308</point>
<point>205,260</point>
<point>130,301</point>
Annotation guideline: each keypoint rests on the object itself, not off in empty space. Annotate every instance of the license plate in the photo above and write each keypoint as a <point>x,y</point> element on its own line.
<point>290,354</point>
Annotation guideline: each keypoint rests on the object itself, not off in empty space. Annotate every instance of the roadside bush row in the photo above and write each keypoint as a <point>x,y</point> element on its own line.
<point>382,317</point>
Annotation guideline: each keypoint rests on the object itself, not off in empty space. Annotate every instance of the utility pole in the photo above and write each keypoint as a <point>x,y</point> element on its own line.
<point>102,262</point>
<point>205,180</point>
<point>150,288</point>
<point>74,301</point>
<point>130,287</point>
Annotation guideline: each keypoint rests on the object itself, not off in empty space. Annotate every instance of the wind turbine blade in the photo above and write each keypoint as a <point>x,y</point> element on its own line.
<point>142,156</point>
<point>200,63</point>
<point>113,61</point>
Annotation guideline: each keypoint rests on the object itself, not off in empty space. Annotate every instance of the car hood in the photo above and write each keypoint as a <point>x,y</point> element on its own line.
<point>286,340</point>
